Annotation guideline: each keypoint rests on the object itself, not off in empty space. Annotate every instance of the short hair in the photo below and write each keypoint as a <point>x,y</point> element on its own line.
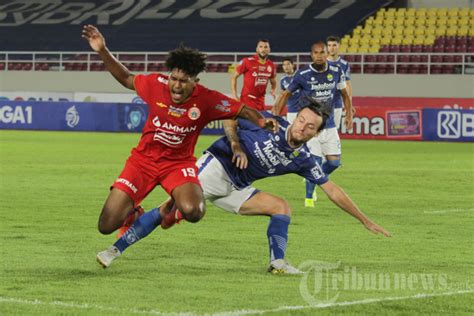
<point>263,40</point>
<point>333,38</point>
<point>318,107</point>
<point>320,43</point>
<point>288,58</point>
<point>189,60</point>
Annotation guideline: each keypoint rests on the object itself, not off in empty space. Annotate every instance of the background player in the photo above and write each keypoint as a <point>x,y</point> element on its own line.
<point>257,71</point>
<point>257,154</point>
<point>178,109</point>
<point>292,104</point>
<point>332,43</point>
<point>320,81</point>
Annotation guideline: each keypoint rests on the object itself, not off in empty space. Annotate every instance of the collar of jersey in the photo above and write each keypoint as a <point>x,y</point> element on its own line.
<point>257,58</point>
<point>326,69</point>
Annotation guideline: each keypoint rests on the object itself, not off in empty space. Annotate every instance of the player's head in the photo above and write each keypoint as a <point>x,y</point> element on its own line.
<point>288,66</point>
<point>332,43</point>
<point>319,53</point>
<point>309,121</point>
<point>263,48</point>
<point>184,64</point>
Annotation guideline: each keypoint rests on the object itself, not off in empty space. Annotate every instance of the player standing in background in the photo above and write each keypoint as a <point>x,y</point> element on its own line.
<point>320,81</point>
<point>178,109</point>
<point>289,72</point>
<point>333,49</point>
<point>257,71</point>
<point>232,163</point>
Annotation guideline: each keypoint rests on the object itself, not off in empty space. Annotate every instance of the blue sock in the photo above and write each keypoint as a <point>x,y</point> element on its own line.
<point>277,233</point>
<point>143,226</point>
<point>309,189</point>
<point>330,165</point>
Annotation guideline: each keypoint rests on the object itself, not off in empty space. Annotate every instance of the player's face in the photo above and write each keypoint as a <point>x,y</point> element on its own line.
<point>263,49</point>
<point>181,86</point>
<point>333,48</point>
<point>288,67</point>
<point>319,54</point>
<point>305,126</point>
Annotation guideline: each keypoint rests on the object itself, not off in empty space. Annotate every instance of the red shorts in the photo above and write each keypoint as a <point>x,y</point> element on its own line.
<point>253,102</point>
<point>140,177</point>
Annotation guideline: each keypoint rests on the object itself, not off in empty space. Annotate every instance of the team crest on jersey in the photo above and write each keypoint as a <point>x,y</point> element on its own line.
<point>269,68</point>
<point>176,112</point>
<point>194,113</point>
<point>330,77</point>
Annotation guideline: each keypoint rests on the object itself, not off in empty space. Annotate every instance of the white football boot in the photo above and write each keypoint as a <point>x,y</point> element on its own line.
<point>105,258</point>
<point>281,266</point>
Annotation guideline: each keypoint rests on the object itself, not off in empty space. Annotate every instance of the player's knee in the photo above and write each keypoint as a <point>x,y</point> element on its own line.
<point>281,207</point>
<point>192,212</point>
<point>106,223</point>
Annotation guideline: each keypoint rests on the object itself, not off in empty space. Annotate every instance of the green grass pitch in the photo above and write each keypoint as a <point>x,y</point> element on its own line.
<point>53,185</point>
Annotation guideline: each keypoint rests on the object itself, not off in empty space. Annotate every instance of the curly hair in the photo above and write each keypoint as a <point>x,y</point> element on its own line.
<point>189,60</point>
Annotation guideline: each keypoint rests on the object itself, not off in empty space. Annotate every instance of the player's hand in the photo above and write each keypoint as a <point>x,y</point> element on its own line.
<point>239,157</point>
<point>376,229</point>
<point>94,37</point>
<point>271,124</point>
<point>348,118</point>
<point>273,94</point>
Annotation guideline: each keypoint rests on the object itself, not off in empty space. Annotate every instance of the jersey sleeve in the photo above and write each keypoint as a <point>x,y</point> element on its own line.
<point>242,66</point>
<point>282,84</point>
<point>295,84</point>
<point>313,172</point>
<point>347,73</point>
<point>222,107</point>
<point>274,71</point>
<point>342,80</point>
<point>144,86</point>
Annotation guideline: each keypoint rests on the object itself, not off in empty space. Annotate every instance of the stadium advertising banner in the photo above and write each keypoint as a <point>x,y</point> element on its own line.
<point>398,118</point>
<point>449,125</point>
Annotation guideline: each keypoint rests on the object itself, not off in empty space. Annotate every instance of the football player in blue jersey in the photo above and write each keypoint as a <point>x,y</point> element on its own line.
<point>321,81</point>
<point>333,50</point>
<point>230,166</point>
<point>289,72</point>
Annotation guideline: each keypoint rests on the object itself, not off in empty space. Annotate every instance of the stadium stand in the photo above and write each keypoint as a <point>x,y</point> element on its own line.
<point>387,41</point>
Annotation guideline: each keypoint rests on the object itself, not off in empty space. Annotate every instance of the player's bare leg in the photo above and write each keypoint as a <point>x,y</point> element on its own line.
<point>116,208</point>
<point>267,204</point>
<point>189,200</point>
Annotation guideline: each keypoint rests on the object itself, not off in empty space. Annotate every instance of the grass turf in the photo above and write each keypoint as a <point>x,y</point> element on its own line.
<point>53,185</point>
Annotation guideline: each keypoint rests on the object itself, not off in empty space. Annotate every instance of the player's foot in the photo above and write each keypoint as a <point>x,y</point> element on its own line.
<point>281,266</point>
<point>173,217</point>
<point>315,195</point>
<point>308,203</point>
<point>105,258</point>
<point>131,218</point>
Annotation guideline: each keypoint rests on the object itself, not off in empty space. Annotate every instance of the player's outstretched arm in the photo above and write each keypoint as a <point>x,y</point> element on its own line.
<point>348,108</point>
<point>239,157</point>
<point>341,199</point>
<point>281,102</point>
<point>97,42</point>
<point>233,84</point>
<point>256,118</point>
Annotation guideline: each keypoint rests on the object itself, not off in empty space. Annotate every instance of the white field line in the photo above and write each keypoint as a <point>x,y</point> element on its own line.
<point>455,210</point>
<point>336,304</point>
<point>73,305</point>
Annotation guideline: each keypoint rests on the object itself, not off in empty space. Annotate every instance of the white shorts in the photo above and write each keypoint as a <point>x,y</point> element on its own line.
<point>290,116</point>
<point>217,187</point>
<point>326,143</point>
<point>338,117</point>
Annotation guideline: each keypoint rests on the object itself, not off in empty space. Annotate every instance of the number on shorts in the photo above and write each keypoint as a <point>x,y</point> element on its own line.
<point>188,172</point>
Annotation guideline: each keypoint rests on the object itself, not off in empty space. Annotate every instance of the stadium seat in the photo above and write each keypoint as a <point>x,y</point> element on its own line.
<point>435,69</point>
<point>413,69</point>
<point>369,68</point>
<point>403,58</point>
<point>447,69</point>
<point>380,69</point>
<point>356,69</point>
<point>402,69</point>
<point>436,58</point>
<point>423,69</point>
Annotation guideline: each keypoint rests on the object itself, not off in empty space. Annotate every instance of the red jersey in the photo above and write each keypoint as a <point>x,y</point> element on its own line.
<point>256,76</point>
<point>171,130</point>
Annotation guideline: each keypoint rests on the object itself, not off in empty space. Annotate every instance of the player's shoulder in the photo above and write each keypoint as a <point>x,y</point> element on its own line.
<point>303,71</point>
<point>160,78</point>
<point>334,66</point>
<point>343,61</point>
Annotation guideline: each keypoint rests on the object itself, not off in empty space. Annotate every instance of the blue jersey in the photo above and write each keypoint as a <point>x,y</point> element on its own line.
<point>322,86</point>
<point>346,69</point>
<point>292,103</point>
<point>268,155</point>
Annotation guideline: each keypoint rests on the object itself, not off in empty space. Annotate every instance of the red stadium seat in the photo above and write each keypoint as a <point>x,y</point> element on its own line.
<point>461,48</point>
<point>435,69</point>
<point>438,49</point>
<point>349,58</point>
<point>448,59</point>
<point>413,69</point>
<point>2,66</point>
<point>394,48</point>
<point>423,69</point>
<point>402,69</point>
<point>380,69</point>
<point>457,59</point>
<point>389,69</point>
<point>369,68</point>
<point>436,58</point>
<point>403,58</point>
<point>415,58</point>
<point>356,68</point>
<point>416,48</point>
<point>450,49</point>
<point>427,48</point>
<point>447,69</point>
<point>382,58</point>
<point>384,49</point>
<point>370,58</point>
<point>424,58</point>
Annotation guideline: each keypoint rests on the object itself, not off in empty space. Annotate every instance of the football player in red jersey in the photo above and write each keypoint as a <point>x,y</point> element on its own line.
<point>257,71</point>
<point>178,109</point>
